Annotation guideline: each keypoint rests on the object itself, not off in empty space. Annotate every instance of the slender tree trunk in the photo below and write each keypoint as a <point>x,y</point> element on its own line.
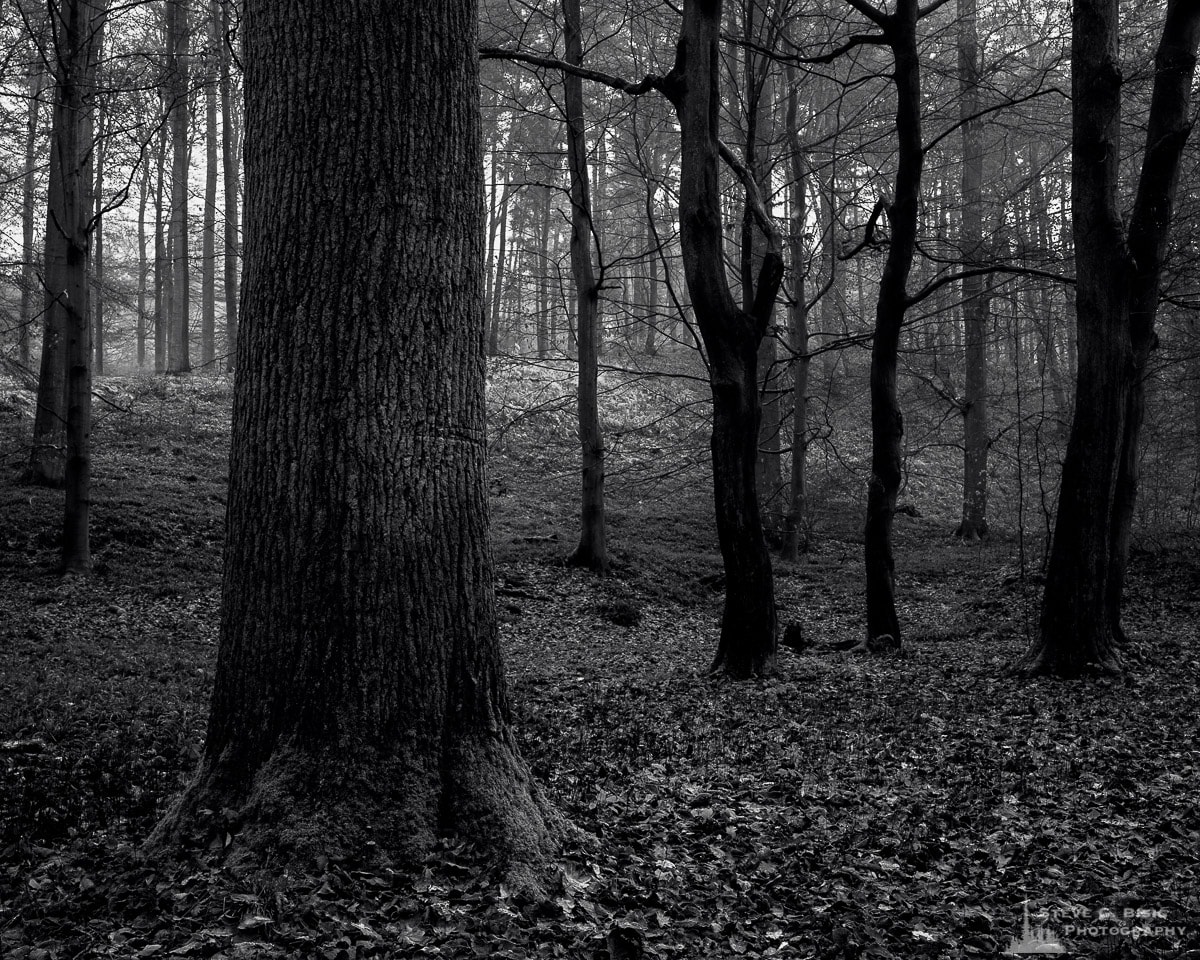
<point>1117,279</point>
<point>758,90</point>
<point>650,300</point>
<point>592,550</point>
<point>230,180</point>
<point>162,267</point>
<point>98,152</point>
<point>143,264</point>
<point>178,346</point>
<point>975,419</point>
<point>28,271</point>
<point>360,695</point>
<point>887,421</point>
<point>731,335</point>
<point>47,455</point>
<point>797,521</point>
<point>543,276</point>
<point>498,285</point>
<point>208,276</point>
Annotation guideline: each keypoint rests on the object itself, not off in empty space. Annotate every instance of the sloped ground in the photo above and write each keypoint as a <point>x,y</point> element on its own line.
<point>845,808</point>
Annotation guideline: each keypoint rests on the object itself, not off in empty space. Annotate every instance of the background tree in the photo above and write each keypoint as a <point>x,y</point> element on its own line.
<point>179,292</point>
<point>592,550</point>
<point>359,691</point>
<point>973,524</point>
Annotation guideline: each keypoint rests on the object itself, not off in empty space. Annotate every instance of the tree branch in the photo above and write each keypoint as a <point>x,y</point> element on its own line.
<point>646,84</point>
<point>874,14</point>
<point>995,268</point>
<point>753,199</point>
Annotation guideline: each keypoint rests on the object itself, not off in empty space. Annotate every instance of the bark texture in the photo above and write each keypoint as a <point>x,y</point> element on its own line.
<point>1117,278</point>
<point>80,26</point>
<point>178,345</point>
<point>208,255</point>
<point>796,521</point>
<point>230,180</point>
<point>359,693</point>
<point>887,421</point>
<point>731,336</point>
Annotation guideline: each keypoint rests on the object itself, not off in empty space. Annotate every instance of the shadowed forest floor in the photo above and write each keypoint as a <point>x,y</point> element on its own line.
<point>844,808</point>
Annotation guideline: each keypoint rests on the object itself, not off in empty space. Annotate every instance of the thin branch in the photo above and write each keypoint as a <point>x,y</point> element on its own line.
<point>646,84</point>
<point>874,14</point>
<point>994,269</point>
<point>993,109</point>
<point>753,198</point>
<point>869,235</point>
<point>929,8</point>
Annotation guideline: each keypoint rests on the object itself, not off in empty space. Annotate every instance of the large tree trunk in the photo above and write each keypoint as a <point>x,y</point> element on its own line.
<point>80,26</point>
<point>1116,295</point>
<point>974,524</point>
<point>731,335</point>
<point>360,695</point>
<point>1167,133</point>
<point>887,422</point>
<point>178,346</point>
<point>592,551</point>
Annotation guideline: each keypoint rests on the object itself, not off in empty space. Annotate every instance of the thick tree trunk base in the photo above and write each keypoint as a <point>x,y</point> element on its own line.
<point>1039,661</point>
<point>585,557</point>
<point>302,805</point>
<point>971,531</point>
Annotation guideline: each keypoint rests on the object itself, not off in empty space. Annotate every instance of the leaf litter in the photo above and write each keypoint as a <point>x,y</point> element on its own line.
<point>843,807</point>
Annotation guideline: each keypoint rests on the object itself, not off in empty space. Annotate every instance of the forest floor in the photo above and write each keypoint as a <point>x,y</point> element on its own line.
<point>844,808</point>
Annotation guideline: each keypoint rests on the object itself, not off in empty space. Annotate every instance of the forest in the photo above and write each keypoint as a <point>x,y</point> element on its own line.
<point>527,478</point>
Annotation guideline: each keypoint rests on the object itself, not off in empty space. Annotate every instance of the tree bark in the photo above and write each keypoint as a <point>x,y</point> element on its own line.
<point>887,421</point>
<point>28,271</point>
<point>493,338</point>
<point>1117,279</point>
<point>79,24</point>
<point>758,93</point>
<point>47,455</point>
<point>731,335</point>
<point>360,695</point>
<point>208,254</point>
<point>796,524</point>
<point>98,154</point>
<point>143,264</point>
<point>592,550</point>
<point>230,180</point>
<point>178,346</point>
<point>1169,127</point>
<point>974,523</point>
<point>543,275</point>
<point>162,268</point>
